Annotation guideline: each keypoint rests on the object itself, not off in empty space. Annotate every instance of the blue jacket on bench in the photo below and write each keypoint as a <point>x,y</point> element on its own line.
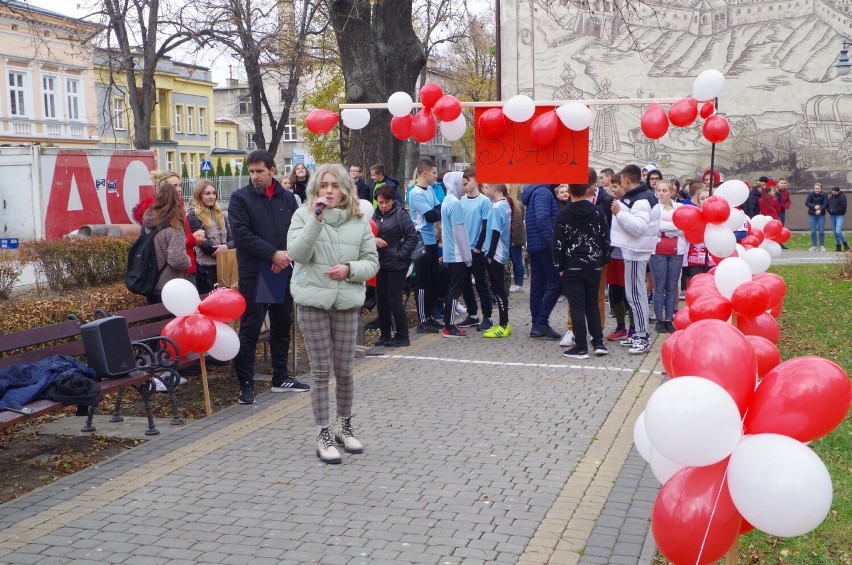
<point>24,382</point>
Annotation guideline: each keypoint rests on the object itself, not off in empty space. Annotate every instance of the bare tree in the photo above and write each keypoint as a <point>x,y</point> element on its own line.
<point>437,23</point>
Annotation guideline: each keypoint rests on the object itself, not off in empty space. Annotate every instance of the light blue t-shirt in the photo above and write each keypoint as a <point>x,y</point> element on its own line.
<point>421,201</point>
<point>499,221</point>
<point>451,215</point>
<point>475,210</point>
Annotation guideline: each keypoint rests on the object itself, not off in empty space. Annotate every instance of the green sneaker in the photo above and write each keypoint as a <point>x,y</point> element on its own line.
<point>498,331</point>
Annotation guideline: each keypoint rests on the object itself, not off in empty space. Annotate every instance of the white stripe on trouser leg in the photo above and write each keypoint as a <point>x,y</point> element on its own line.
<point>637,297</point>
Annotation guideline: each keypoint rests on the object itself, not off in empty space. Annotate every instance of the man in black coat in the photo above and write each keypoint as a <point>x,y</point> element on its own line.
<point>260,215</point>
<point>356,173</point>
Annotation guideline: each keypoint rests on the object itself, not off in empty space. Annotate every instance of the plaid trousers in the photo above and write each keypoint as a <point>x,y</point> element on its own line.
<point>330,340</point>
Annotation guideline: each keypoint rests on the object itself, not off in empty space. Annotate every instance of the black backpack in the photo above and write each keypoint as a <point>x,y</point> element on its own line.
<point>142,273</point>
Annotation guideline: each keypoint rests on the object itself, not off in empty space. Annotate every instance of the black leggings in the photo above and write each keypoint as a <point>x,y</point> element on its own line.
<point>389,301</point>
<point>427,282</point>
<point>497,278</point>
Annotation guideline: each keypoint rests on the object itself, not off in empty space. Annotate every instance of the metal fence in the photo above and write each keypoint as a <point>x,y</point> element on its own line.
<point>225,186</point>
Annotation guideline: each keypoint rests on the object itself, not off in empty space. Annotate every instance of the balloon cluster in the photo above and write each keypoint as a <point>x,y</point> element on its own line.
<point>323,121</point>
<point>424,124</point>
<point>707,86</point>
<point>725,436</point>
<point>544,128</point>
<point>201,325</point>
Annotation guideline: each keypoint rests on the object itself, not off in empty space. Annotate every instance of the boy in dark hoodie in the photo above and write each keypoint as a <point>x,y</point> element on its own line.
<point>580,248</point>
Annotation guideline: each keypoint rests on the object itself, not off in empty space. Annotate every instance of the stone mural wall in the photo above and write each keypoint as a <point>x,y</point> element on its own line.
<point>790,114</point>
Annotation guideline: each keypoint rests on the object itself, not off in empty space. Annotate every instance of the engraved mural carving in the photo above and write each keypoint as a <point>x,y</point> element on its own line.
<point>790,113</point>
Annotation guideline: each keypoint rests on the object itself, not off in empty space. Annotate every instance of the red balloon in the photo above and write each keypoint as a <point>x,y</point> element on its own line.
<point>225,305</point>
<point>784,236</point>
<point>374,227</point>
<point>668,351</point>
<point>772,229</point>
<point>492,122</point>
<point>716,210</point>
<point>764,326</point>
<point>683,112</point>
<point>745,527</point>
<point>767,355</point>
<point>750,299</point>
<point>716,129</point>
<point>687,218</point>
<point>681,319</point>
<point>696,291</point>
<point>694,236</point>
<point>448,108</point>
<point>655,122</point>
<point>749,241</point>
<point>544,129</point>
<point>804,398</point>
<point>401,126</point>
<point>199,332</point>
<point>758,234</point>
<point>710,307</point>
<point>372,281</point>
<point>703,278</point>
<point>321,121</point>
<point>707,109</point>
<point>694,519</point>
<point>719,352</point>
<point>430,94</point>
<point>775,284</point>
<point>775,311</point>
<point>174,331</point>
<point>423,126</point>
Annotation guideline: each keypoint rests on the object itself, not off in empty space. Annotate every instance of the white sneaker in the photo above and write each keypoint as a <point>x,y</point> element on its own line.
<point>561,298</point>
<point>461,310</point>
<point>812,249</point>
<point>345,435</point>
<point>822,248</point>
<point>567,339</point>
<point>516,288</point>
<point>326,450</point>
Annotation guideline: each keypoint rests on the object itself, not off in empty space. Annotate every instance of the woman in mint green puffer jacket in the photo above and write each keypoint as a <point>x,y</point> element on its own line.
<point>334,252</point>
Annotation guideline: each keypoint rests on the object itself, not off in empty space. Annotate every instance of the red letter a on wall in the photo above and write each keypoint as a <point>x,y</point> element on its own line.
<point>71,166</point>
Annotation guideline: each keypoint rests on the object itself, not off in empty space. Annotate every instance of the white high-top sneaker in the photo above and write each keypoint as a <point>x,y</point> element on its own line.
<point>345,435</point>
<point>326,450</point>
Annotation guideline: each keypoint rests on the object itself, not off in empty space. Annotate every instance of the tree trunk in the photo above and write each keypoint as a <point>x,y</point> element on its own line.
<point>380,55</point>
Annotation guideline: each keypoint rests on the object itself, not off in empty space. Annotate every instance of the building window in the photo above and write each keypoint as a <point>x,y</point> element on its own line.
<point>215,139</point>
<point>184,161</point>
<point>291,132</point>
<point>190,119</point>
<point>170,160</point>
<point>72,91</point>
<point>192,170</point>
<point>246,108</point>
<point>202,121</point>
<point>178,118</point>
<point>249,140</point>
<point>228,139</point>
<point>17,94</point>
<point>118,113</point>
<point>287,165</point>
<point>48,86</point>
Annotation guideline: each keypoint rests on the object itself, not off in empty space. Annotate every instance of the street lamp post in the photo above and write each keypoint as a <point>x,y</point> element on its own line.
<point>843,64</point>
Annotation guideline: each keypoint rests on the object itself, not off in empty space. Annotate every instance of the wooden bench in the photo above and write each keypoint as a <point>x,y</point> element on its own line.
<point>152,360</point>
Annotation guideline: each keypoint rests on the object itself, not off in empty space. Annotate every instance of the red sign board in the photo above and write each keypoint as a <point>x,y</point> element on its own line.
<point>511,157</point>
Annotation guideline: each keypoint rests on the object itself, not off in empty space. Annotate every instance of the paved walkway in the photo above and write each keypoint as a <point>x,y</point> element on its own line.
<point>476,451</point>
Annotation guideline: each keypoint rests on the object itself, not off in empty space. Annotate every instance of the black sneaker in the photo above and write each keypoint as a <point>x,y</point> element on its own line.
<point>373,325</point>
<point>426,328</point>
<point>486,324</point>
<point>576,352</point>
<point>639,346</point>
<point>397,342</point>
<point>289,384</point>
<point>383,339</point>
<point>246,393</point>
<point>600,349</point>
<point>469,322</point>
<point>660,327</point>
<point>436,324</point>
<point>453,331</point>
<point>544,331</point>
<point>670,327</point>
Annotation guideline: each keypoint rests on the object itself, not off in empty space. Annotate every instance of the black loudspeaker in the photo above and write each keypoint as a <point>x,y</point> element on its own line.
<point>108,349</point>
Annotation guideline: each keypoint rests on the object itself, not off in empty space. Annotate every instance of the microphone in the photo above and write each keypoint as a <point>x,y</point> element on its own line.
<point>319,208</point>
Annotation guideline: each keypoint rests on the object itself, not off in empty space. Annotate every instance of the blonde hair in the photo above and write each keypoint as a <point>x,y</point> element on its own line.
<point>160,176</point>
<point>668,183</point>
<point>167,206</point>
<point>206,215</point>
<point>347,187</point>
<point>513,191</point>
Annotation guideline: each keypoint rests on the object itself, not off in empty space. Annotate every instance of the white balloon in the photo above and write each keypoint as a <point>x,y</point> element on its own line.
<point>771,247</point>
<point>693,421</point>
<point>227,343</point>
<point>640,438</point>
<point>355,118</point>
<point>180,297</point>
<point>455,129</point>
<point>366,208</point>
<point>575,116</point>
<point>736,221</point>
<point>519,108</point>
<point>779,485</point>
<point>663,467</point>
<point>731,273</point>
<point>759,221</point>
<point>758,259</point>
<point>719,240</point>
<point>400,104</point>
<point>708,85</point>
<point>734,192</point>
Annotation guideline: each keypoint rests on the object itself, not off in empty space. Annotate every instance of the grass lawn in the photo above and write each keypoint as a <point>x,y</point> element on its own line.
<point>817,320</point>
<point>801,240</point>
